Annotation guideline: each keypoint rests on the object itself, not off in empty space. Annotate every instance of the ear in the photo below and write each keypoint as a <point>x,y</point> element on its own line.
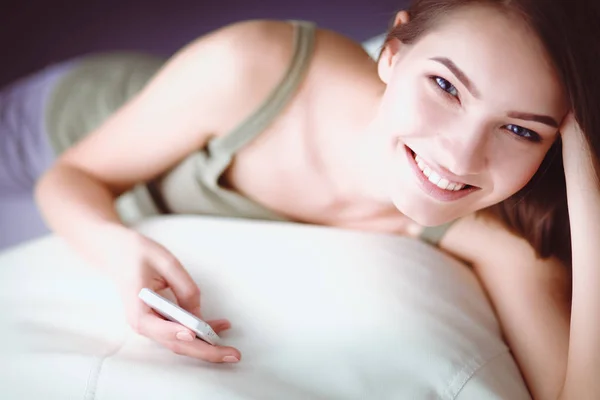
<point>402,18</point>
<point>391,50</point>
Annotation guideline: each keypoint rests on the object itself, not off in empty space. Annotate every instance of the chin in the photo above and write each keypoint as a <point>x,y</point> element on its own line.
<point>422,212</point>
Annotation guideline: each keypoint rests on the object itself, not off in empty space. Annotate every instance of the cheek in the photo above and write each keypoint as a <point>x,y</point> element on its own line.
<point>514,173</point>
<point>410,110</point>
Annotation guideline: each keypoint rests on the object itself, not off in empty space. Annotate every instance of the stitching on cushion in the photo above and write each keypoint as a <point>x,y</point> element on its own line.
<point>94,375</point>
<point>460,379</point>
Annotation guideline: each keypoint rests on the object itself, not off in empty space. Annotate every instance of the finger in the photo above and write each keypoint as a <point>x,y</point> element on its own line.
<point>570,129</point>
<point>574,142</point>
<point>197,312</point>
<point>568,123</point>
<point>181,283</point>
<point>183,341</point>
<point>159,329</point>
<point>219,325</point>
<point>201,350</point>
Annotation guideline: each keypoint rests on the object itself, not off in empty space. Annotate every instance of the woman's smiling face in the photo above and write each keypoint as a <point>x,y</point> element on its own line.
<point>468,115</point>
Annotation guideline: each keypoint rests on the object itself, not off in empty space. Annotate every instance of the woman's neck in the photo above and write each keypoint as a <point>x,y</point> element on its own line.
<point>347,150</point>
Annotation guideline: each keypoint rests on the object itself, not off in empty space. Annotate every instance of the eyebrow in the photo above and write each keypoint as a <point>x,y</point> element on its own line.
<point>543,119</point>
<point>461,76</point>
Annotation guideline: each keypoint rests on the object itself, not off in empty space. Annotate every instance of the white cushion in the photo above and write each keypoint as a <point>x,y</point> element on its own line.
<point>318,313</point>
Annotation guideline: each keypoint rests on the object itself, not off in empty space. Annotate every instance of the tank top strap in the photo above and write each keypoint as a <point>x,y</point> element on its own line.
<point>226,146</point>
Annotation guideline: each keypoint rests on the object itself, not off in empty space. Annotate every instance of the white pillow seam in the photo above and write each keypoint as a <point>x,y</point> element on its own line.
<point>464,375</point>
<point>94,375</point>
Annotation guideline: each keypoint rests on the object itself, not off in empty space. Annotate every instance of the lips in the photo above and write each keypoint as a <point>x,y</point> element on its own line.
<point>436,179</point>
<point>434,184</point>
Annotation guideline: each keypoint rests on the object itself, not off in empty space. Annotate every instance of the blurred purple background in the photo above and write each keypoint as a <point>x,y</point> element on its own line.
<point>35,33</point>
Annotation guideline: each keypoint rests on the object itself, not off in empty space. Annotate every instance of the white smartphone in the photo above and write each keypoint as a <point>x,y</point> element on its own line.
<point>174,313</point>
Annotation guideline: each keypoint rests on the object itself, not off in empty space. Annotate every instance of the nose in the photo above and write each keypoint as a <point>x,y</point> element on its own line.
<point>464,149</point>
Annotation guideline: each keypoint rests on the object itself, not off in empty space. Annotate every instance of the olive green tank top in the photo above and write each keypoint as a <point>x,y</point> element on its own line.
<point>193,186</point>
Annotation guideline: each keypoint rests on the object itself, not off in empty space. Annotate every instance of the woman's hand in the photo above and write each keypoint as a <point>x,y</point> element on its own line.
<point>136,262</point>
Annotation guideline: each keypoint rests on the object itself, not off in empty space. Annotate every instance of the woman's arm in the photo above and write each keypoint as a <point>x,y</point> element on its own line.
<point>550,316</point>
<point>530,296</point>
<point>583,194</point>
<point>206,89</point>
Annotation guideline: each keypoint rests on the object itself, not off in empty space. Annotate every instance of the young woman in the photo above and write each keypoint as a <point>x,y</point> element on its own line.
<point>479,117</point>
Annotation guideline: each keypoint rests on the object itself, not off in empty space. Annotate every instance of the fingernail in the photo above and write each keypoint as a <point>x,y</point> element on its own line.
<point>230,359</point>
<point>222,323</point>
<point>184,336</point>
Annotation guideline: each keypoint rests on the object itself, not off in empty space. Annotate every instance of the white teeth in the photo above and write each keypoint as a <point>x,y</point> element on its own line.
<point>443,184</point>
<point>437,180</point>
<point>434,178</point>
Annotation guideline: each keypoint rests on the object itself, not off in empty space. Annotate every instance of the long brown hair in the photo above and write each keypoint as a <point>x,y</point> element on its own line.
<point>569,30</point>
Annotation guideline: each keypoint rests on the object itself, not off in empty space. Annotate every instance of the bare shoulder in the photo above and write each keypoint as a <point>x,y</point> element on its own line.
<point>475,237</point>
<point>500,256</point>
<point>478,239</point>
<point>249,58</point>
<point>254,55</point>
<point>335,49</point>
<point>243,43</point>
<point>343,62</point>
<point>264,47</point>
